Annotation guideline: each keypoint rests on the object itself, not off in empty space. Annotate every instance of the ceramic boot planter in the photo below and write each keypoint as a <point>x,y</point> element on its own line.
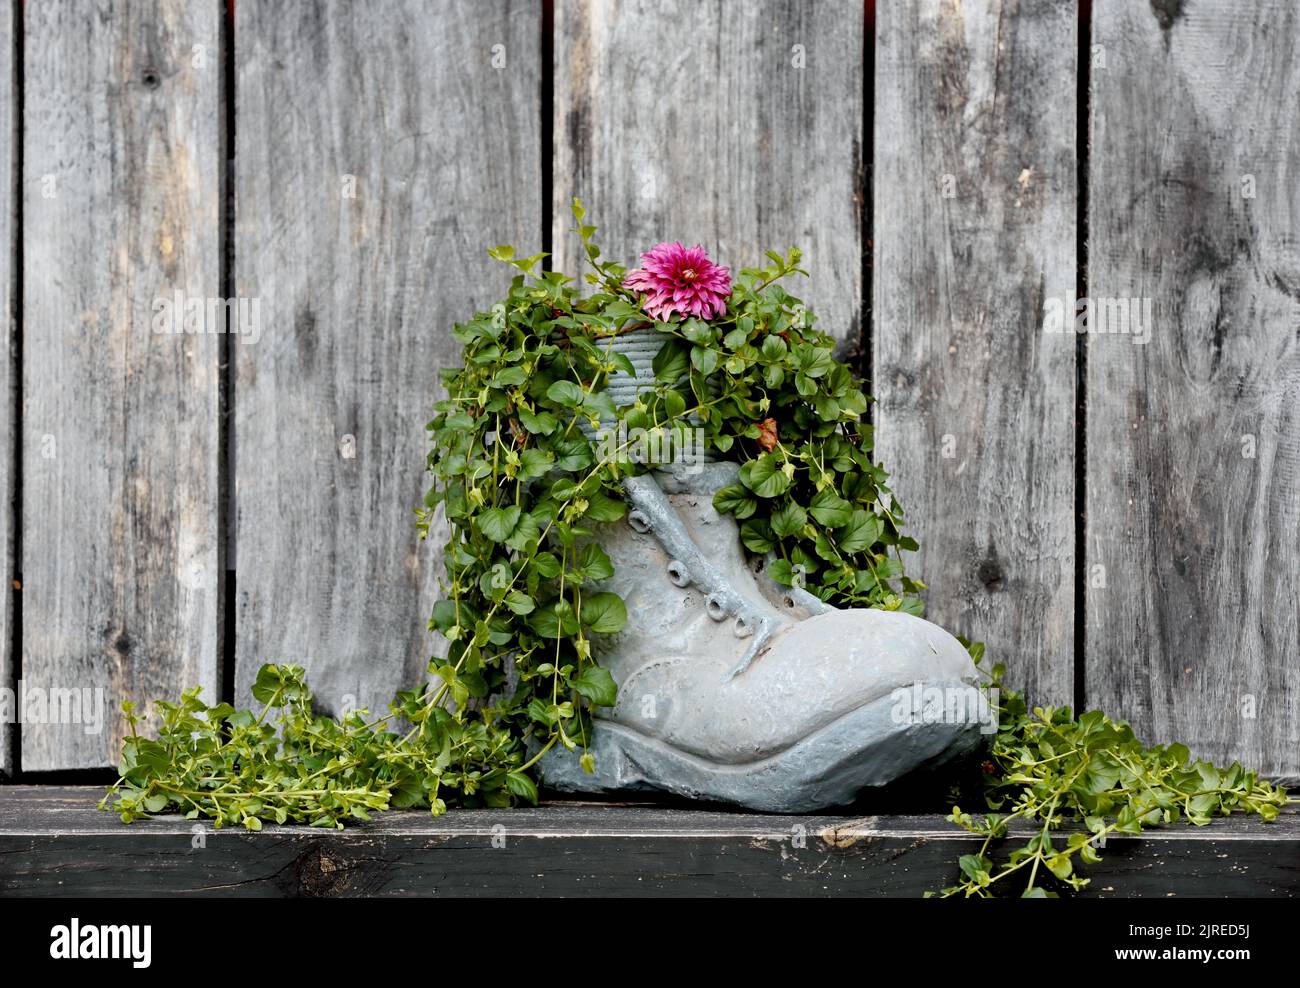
<point>735,689</point>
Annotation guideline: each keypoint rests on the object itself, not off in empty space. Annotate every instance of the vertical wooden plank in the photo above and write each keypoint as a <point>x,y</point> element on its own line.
<point>380,149</point>
<point>738,126</point>
<point>1193,531</point>
<point>120,197</point>
<point>8,162</point>
<point>975,199</point>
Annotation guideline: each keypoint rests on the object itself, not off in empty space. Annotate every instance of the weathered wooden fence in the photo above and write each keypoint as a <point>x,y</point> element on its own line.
<point>1117,514</point>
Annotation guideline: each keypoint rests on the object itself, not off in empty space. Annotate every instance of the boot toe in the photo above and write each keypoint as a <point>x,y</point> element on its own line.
<point>838,703</point>
<point>817,672</point>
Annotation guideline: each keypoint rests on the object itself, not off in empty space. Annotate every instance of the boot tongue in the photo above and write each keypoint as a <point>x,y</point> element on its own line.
<point>640,346</point>
<point>706,477</point>
<point>680,465</point>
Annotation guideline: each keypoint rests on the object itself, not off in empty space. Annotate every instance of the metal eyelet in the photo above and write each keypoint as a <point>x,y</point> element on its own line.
<point>678,573</point>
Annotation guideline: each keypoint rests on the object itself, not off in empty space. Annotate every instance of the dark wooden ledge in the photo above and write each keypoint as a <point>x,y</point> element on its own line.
<point>53,842</point>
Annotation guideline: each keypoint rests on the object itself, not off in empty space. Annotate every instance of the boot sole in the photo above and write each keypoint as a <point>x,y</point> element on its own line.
<point>862,749</point>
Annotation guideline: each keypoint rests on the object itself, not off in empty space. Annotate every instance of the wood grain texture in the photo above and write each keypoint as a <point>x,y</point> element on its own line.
<point>434,129</point>
<point>1194,438</point>
<point>8,353</point>
<point>737,126</point>
<point>120,207</point>
<point>974,228</point>
<point>48,835</point>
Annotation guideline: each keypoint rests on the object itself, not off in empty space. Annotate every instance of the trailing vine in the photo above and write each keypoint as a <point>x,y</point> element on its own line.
<point>1076,782</point>
<point>519,480</point>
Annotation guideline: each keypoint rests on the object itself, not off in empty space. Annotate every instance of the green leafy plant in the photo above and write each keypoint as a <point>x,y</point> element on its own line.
<point>520,483</point>
<point>287,764</point>
<point>1076,781</point>
<point>768,391</point>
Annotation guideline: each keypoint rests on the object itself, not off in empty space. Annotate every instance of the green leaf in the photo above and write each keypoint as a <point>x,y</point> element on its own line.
<point>782,572</point>
<point>496,524</point>
<point>704,360</point>
<point>522,786</point>
<point>774,348</point>
<point>734,499</point>
<point>757,536</point>
<point>267,683</point>
<point>546,565</point>
<point>511,377</point>
<point>540,711</point>
<point>828,409</point>
<point>976,867</point>
<point>671,362</point>
<point>535,463</point>
<point>1209,775</point>
<point>814,361</point>
<point>736,338</point>
<point>553,620</point>
<point>519,602</point>
<point>674,403</point>
<point>830,509</point>
<point>565,393</point>
<point>444,614</point>
<point>525,534</point>
<point>604,613</point>
<point>621,361</point>
<point>594,563</point>
<point>1060,865</point>
<point>597,685</point>
<point>764,476</point>
<point>541,424</point>
<point>698,331</point>
<point>861,533</point>
<point>788,520</point>
<point>602,508</point>
<point>600,404</point>
<point>574,454</point>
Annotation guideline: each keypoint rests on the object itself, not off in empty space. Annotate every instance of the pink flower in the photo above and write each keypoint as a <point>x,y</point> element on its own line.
<point>681,279</point>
